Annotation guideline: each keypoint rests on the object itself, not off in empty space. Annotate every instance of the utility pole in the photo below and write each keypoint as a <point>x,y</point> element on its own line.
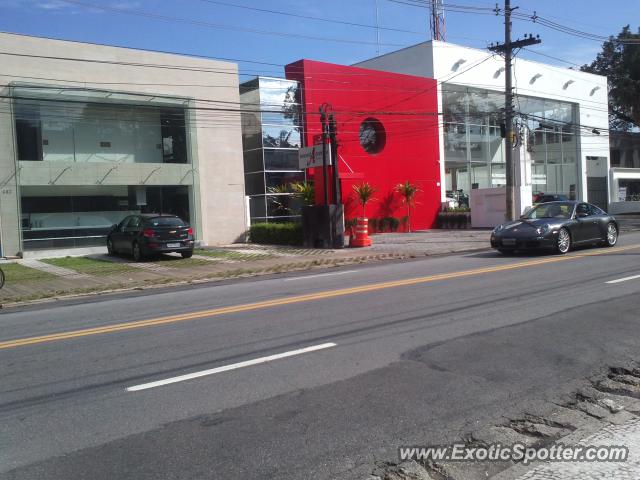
<point>325,137</point>
<point>436,22</point>
<point>507,49</point>
<point>333,138</point>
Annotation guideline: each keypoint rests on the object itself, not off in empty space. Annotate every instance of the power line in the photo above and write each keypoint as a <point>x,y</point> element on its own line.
<point>534,17</point>
<point>309,17</point>
<point>220,26</point>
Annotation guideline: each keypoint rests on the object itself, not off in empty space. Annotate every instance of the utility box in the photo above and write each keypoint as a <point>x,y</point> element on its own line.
<point>323,226</point>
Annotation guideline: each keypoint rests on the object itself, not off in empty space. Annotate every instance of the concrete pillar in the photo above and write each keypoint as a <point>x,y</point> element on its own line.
<point>9,186</point>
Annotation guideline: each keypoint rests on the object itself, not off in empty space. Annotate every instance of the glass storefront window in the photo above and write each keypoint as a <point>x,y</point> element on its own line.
<point>278,118</point>
<point>278,92</point>
<point>72,131</point>
<point>276,159</point>
<point>253,161</point>
<point>257,206</point>
<point>474,149</point>
<point>278,179</point>
<point>280,137</point>
<point>630,188</point>
<point>271,140</point>
<point>498,175</point>
<point>283,206</point>
<point>75,216</point>
<point>254,183</point>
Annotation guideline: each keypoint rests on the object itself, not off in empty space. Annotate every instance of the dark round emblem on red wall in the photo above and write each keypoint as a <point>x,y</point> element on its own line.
<point>372,135</point>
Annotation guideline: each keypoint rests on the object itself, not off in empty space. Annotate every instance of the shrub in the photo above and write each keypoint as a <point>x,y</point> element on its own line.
<point>289,233</point>
<point>391,223</point>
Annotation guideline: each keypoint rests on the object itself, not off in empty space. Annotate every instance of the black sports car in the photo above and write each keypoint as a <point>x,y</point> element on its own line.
<point>557,226</point>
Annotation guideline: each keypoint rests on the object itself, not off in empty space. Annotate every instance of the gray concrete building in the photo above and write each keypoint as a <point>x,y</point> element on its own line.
<point>92,133</point>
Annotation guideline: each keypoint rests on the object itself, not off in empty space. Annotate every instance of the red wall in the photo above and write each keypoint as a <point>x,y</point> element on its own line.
<point>407,108</point>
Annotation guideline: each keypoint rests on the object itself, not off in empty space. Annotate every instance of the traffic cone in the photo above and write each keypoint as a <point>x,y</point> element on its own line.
<point>362,238</point>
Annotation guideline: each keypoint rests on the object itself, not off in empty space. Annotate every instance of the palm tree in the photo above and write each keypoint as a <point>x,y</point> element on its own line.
<point>408,191</point>
<point>304,191</point>
<point>365,192</point>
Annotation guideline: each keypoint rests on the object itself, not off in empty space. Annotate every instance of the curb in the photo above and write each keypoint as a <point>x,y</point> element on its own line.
<point>291,267</point>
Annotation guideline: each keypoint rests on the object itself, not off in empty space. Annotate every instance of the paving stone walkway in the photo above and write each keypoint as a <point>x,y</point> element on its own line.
<point>53,269</point>
<point>627,434</point>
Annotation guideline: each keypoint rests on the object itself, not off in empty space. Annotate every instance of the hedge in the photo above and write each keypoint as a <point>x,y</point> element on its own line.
<point>289,233</point>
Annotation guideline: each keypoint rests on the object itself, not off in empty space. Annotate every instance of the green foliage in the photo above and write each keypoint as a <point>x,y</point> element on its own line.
<point>305,191</point>
<point>389,224</point>
<point>90,266</point>
<point>364,192</point>
<point>408,191</point>
<point>457,209</point>
<point>454,218</point>
<point>384,224</point>
<point>302,190</point>
<point>289,233</point>
<point>620,61</point>
<point>281,202</point>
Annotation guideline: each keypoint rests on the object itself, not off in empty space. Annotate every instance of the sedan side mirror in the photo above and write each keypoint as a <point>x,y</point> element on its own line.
<point>581,215</point>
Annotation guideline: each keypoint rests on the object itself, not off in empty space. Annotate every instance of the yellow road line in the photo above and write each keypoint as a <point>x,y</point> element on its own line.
<point>298,299</point>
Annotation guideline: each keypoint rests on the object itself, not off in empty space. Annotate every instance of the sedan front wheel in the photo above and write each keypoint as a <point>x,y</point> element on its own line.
<point>563,244</point>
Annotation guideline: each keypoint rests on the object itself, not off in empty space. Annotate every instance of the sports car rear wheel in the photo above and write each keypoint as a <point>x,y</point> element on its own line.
<point>612,235</point>
<point>563,244</point>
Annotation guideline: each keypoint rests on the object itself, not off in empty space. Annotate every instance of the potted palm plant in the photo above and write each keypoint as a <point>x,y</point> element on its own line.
<point>408,191</point>
<point>364,193</point>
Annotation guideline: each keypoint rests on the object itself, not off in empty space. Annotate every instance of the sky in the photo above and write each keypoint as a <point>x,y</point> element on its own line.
<point>262,42</point>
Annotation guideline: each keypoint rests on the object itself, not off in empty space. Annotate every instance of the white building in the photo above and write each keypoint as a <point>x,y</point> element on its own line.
<point>90,133</point>
<point>562,114</point>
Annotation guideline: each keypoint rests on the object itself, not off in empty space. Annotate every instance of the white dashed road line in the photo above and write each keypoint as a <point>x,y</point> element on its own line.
<point>226,368</point>
<point>620,280</point>
<point>304,277</point>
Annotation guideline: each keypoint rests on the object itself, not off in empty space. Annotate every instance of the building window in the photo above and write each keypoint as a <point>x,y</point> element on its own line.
<point>60,130</point>
<point>271,137</point>
<point>474,149</point>
<point>76,216</point>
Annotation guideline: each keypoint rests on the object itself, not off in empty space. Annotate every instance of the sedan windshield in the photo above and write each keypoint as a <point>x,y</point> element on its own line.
<point>550,210</point>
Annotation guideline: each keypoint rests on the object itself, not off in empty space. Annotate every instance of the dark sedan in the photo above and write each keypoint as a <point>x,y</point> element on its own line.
<point>149,234</point>
<point>557,226</point>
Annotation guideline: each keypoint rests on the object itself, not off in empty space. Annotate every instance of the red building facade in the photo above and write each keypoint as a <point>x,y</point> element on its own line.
<point>387,130</point>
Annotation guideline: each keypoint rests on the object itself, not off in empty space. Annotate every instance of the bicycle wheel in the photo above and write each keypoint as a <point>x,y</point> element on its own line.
<point>1,278</point>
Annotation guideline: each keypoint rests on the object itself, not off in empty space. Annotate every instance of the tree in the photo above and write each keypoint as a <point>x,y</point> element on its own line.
<point>408,191</point>
<point>620,61</point>
<point>364,192</point>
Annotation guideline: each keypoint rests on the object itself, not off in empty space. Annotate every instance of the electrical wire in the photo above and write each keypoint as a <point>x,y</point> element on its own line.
<point>308,17</point>
<point>220,26</point>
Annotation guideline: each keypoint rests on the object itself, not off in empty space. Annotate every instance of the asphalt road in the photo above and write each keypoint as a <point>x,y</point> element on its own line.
<point>367,358</point>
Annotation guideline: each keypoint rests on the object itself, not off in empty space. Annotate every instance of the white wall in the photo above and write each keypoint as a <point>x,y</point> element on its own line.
<point>217,174</point>
<point>480,69</point>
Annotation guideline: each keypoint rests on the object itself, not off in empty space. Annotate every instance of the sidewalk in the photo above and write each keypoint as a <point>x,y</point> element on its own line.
<point>41,277</point>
